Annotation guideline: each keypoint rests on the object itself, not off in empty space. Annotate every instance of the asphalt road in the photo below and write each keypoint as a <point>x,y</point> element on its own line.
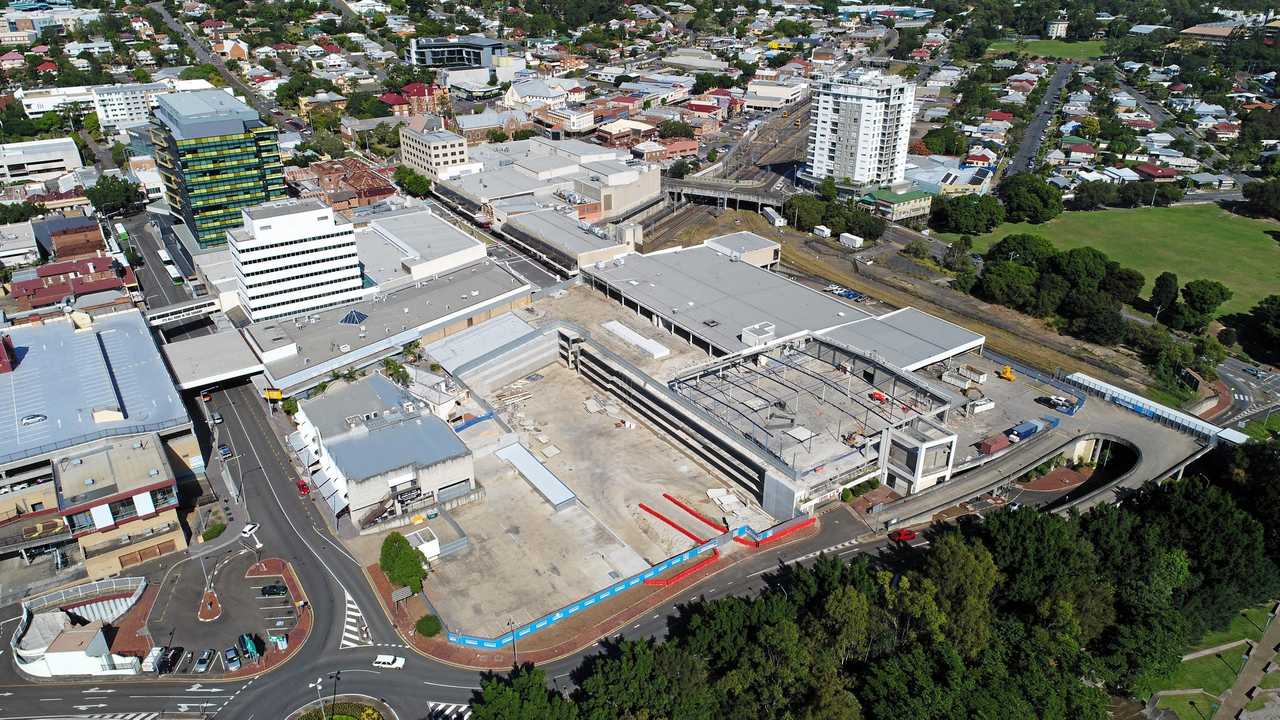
<point>1031,141</point>
<point>1248,393</point>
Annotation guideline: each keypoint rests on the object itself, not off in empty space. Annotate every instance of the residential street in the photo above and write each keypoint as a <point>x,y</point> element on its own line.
<point>1031,137</point>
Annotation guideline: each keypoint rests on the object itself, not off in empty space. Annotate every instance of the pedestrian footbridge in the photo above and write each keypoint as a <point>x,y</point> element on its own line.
<point>200,307</point>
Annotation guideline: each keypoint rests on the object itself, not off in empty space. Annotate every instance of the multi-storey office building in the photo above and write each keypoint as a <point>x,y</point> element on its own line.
<point>216,156</point>
<point>291,257</point>
<point>861,125</point>
<point>465,51</point>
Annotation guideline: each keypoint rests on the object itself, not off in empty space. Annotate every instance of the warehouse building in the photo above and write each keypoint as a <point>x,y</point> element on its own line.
<point>565,242</point>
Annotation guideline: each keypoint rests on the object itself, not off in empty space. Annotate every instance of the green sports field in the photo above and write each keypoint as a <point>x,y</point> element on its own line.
<point>1081,50</point>
<point>1192,241</point>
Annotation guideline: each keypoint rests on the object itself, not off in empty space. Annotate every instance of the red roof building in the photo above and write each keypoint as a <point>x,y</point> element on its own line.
<point>395,102</point>
<point>1082,149</point>
<point>56,282</point>
<point>1000,115</point>
<point>1156,173</point>
<point>1139,123</point>
<point>47,67</point>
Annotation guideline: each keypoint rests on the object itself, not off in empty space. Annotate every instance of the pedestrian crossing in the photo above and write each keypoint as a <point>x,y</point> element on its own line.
<point>354,631</point>
<point>123,716</point>
<point>448,711</point>
<point>1243,398</point>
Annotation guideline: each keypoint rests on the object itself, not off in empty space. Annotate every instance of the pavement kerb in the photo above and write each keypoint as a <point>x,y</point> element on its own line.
<point>410,644</point>
<point>390,713</point>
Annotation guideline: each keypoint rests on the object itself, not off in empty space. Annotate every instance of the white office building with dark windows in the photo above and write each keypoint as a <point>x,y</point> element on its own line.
<point>291,257</point>
<point>861,128</point>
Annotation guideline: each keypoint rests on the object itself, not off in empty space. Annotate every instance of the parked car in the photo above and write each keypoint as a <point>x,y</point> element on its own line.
<point>223,451</point>
<point>389,662</point>
<point>303,488</point>
<point>274,590</point>
<point>204,661</point>
<point>249,530</point>
<point>902,535</point>
<point>217,417</point>
<point>231,658</point>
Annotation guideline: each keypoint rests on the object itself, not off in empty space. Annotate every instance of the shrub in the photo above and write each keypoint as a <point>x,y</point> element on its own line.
<point>846,495</point>
<point>428,626</point>
<point>865,487</point>
<point>213,531</point>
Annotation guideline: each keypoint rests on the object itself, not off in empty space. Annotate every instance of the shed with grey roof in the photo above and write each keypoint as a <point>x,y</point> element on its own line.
<point>564,241</point>
<point>908,338</point>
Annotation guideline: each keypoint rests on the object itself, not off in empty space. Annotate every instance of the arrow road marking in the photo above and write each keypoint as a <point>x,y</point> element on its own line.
<point>95,690</point>
<point>90,707</point>
<point>200,688</point>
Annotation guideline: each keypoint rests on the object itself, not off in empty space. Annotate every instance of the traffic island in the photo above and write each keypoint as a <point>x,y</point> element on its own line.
<point>210,607</point>
<point>355,706</point>
<point>580,630</point>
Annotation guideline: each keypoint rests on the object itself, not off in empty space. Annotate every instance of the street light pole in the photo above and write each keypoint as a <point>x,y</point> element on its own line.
<point>515,656</point>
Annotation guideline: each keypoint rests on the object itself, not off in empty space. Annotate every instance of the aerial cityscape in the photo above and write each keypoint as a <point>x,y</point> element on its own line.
<point>389,360</point>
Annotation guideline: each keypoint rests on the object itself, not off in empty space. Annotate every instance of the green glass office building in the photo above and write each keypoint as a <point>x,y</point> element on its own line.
<point>216,155</point>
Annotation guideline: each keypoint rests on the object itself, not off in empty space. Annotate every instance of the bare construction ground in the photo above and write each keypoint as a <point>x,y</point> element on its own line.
<point>525,559</point>
<point>614,469</point>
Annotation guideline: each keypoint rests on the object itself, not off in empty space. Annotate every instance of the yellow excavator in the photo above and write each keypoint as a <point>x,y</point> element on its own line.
<point>1006,373</point>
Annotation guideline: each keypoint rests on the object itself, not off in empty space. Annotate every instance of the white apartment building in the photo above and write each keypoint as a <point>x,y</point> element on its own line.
<point>437,154</point>
<point>130,104</point>
<point>861,125</point>
<point>292,257</point>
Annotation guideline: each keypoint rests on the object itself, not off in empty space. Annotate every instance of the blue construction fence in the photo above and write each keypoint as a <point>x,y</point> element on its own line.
<point>1047,379</point>
<point>570,610</point>
<point>473,421</point>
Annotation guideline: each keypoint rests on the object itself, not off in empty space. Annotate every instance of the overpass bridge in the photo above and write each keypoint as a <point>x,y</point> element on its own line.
<point>200,307</point>
<point>723,192</point>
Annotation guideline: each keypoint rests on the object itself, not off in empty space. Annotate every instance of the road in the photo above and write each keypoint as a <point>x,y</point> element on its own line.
<point>1031,137</point>
<point>1248,393</point>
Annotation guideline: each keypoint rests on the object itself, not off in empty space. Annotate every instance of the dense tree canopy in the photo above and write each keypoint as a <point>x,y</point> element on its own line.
<point>1028,197</point>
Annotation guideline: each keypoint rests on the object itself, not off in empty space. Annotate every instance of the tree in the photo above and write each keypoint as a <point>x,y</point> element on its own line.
<point>1165,293</point>
<point>965,576</point>
<point>827,189</point>
<point>1083,268</point>
<point>119,154</point>
<point>1202,299</point>
<point>1033,251</point>
<point>1029,198</point>
<point>522,695</point>
<point>1262,330</point>
<point>1093,194</point>
<point>917,248</point>
<point>1008,283</point>
<point>956,258</point>
<point>497,135</point>
<point>325,143</point>
<point>113,194</point>
<point>970,214</point>
<point>945,140</point>
<point>412,182</point>
<point>713,155</point>
<point>678,169</point>
<point>1122,283</point>
<point>19,212</point>
<point>524,134</point>
<point>675,129</point>
<point>403,564</point>
<point>644,679</point>
<point>805,211</point>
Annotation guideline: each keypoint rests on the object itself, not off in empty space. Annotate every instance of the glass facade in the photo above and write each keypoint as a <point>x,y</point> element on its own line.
<point>208,180</point>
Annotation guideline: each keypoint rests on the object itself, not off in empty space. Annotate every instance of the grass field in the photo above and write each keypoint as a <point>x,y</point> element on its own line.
<point>1271,681</point>
<point>1243,626</point>
<point>1193,241</point>
<point>1210,673</point>
<point>1082,50</point>
<point>1181,705</point>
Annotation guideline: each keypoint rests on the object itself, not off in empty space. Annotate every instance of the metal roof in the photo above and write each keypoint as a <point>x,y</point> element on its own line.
<point>907,338</point>
<point>65,374</point>
<point>715,297</point>
<point>410,440</point>
<point>458,349</point>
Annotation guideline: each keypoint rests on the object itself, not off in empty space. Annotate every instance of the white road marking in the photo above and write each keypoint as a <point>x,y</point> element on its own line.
<point>449,711</point>
<point>354,633</point>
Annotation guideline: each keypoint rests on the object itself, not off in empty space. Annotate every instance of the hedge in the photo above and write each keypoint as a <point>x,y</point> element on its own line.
<point>213,531</point>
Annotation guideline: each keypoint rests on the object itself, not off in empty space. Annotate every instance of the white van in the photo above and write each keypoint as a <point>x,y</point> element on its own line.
<point>389,662</point>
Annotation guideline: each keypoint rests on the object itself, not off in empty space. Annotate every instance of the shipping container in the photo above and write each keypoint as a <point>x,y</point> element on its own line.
<point>972,373</point>
<point>1025,429</point>
<point>850,240</point>
<point>993,444</point>
<point>822,231</point>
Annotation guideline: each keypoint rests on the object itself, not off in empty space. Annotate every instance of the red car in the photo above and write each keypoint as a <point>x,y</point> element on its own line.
<point>903,535</point>
<point>303,488</point>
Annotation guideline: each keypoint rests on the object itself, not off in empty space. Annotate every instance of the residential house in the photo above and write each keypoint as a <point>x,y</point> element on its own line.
<point>1156,173</point>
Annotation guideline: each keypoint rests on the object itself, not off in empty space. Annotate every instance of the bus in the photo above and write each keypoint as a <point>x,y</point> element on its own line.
<point>174,275</point>
<point>164,257</point>
<point>122,235</point>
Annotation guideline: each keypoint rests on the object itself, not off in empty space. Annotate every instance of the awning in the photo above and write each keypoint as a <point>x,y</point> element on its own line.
<point>296,442</point>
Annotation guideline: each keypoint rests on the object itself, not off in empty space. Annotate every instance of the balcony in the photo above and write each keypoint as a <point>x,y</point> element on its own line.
<point>130,539</point>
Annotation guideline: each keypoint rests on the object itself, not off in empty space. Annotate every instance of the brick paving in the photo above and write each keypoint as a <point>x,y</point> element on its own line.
<point>1224,401</point>
<point>573,634</point>
<point>210,607</point>
<point>1061,478</point>
<point>132,637</point>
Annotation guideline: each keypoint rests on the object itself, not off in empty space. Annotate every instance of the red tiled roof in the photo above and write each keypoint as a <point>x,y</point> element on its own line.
<point>1082,148</point>
<point>999,115</point>
<point>416,89</point>
<point>393,99</point>
<point>1155,171</point>
<point>46,66</point>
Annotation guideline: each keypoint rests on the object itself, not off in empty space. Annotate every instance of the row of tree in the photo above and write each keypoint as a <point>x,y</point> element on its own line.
<point>1025,615</point>
<point>840,216</point>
